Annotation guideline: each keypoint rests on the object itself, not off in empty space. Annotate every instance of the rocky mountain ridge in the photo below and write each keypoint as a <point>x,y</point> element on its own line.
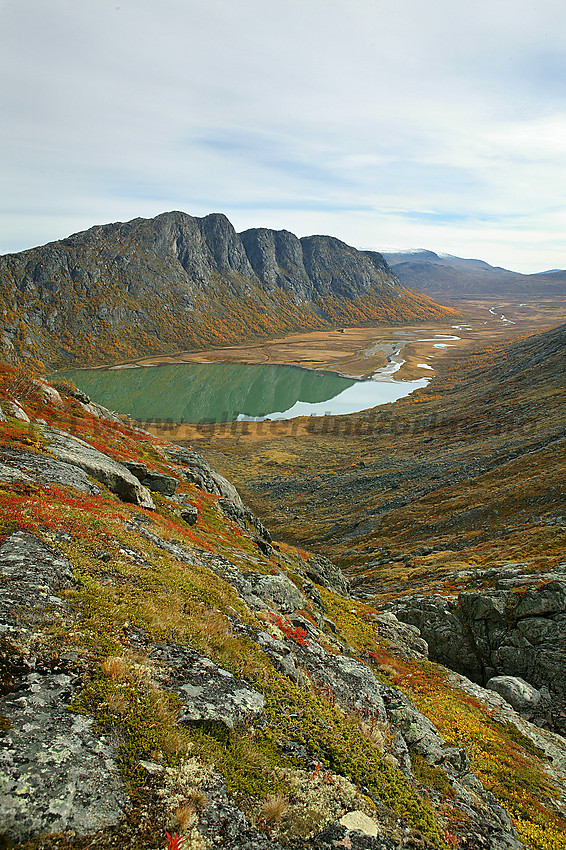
<point>456,277</point>
<point>182,671</point>
<point>174,282</point>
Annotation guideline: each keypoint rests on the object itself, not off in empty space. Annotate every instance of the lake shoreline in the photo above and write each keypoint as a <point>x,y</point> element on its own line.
<point>360,352</point>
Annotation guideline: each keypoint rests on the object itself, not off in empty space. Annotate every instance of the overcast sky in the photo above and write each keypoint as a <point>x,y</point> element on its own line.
<point>387,123</point>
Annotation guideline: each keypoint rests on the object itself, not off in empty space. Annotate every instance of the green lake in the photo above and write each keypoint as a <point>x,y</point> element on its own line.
<point>222,392</point>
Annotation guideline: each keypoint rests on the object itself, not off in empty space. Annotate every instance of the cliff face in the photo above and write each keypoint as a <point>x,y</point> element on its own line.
<point>156,285</point>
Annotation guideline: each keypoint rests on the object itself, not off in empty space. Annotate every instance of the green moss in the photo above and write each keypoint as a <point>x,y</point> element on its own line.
<point>430,776</point>
<point>294,714</point>
<point>250,763</point>
<point>142,717</point>
<point>351,619</point>
<point>5,724</point>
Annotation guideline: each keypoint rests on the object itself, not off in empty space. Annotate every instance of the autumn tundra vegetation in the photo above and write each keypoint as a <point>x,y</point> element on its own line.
<point>347,637</point>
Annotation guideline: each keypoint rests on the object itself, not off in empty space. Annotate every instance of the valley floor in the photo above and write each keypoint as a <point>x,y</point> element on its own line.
<point>359,352</point>
<point>470,466</point>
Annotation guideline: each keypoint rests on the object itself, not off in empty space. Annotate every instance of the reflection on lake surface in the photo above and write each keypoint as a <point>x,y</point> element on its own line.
<point>220,392</point>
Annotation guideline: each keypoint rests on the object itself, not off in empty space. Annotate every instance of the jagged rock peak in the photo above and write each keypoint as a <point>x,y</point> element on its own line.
<point>174,282</point>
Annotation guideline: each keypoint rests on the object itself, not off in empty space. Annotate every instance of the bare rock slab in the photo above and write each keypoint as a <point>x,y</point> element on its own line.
<point>207,692</point>
<point>109,472</point>
<point>42,468</point>
<point>56,772</point>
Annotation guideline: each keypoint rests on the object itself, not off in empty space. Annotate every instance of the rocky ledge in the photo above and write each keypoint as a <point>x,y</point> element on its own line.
<point>509,636</point>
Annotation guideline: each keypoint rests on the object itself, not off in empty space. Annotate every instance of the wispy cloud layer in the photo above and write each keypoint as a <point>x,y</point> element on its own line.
<point>389,123</point>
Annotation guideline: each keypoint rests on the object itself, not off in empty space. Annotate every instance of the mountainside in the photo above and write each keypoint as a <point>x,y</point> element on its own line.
<point>174,282</point>
<point>165,665</point>
<point>433,464</point>
<point>447,508</point>
<point>461,278</point>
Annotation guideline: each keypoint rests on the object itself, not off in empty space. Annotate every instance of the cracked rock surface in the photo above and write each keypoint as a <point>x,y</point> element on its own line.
<point>486,634</point>
<point>206,691</point>
<point>56,771</point>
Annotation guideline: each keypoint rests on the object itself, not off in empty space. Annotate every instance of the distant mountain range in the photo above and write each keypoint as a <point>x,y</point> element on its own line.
<point>174,282</point>
<point>442,275</point>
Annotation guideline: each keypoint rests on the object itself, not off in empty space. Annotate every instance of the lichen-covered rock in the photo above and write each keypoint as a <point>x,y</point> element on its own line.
<point>421,734</point>
<point>243,517</point>
<point>484,811</point>
<point>49,393</point>
<point>56,771</point>
<point>554,746</point>
<point>278,591</point>
<point>401,637</point>
<point>97,410</point>
<point>440,624</point>
<point>109,472</point>
<point>360,822</point>
<point>206,691</point>
<point>218,564</point>
<point>225,825</point>
<point>136,468</point>
<point>348,682</point>
<point>33,578</point>
<point>341,835</point>
<point>281,656</point>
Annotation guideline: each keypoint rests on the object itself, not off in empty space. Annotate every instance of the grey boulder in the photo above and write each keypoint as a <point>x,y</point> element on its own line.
<point>322,571</point>
<point>109,472</point>
<point>517,692</point>
<point>160,483</point>
<point>278,591</point>
<point>189,514</point>
<point>15,410</point>
<point>207,692</point>
<point>401,637</point>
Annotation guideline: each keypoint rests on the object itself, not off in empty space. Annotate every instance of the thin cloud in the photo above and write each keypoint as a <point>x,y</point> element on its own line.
<point>403,123</point>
